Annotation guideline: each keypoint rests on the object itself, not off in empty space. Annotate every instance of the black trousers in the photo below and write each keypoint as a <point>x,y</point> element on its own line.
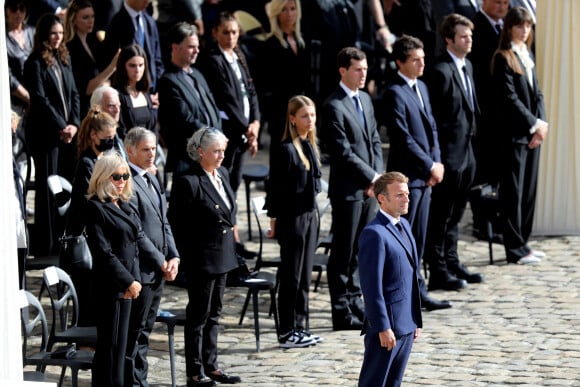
<point>517,195</point>
<point>206,292</point>
<point>297,239</point>
<point>448,202</point>
<point>348,220</point>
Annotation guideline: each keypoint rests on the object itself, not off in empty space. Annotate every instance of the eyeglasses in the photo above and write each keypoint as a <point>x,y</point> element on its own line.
<point>119,176</point>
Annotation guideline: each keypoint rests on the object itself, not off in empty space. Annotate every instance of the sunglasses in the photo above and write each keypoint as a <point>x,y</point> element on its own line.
<point>119,176</point>
<point>18,7</point>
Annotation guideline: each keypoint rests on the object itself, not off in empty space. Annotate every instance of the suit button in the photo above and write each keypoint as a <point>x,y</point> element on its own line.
<point>224,231</point>
<point>217,206</point>
<point>220,221</point>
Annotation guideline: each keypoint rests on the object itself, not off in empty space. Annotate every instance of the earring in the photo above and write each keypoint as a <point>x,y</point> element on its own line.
<point>293,124</point>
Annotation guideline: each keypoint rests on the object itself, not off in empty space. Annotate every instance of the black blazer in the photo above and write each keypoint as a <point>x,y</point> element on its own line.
<point>518,104</point>
<point>76,214</point>
<point>154,223</point>
<point>453,112</point>
<point>412,132</point>
<point>127,118</point>
<point>84,66</point>
<point>117,244</point>
<point>180,114</point>
<point>46,117</point>
<point>292,189</point>
<point>356,153</point>
<point>202,224</point>
<point>121,33</point>
<point>227,92</point>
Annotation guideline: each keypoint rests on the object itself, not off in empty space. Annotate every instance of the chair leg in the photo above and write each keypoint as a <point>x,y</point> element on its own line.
<point>256,318</point>
<point>245,307</point>
<point>274,308</point>
<point>247,184</point>
<point>63,373</point>
<point>490,241</point>
<point>171,337</point>
<point>317,282</point>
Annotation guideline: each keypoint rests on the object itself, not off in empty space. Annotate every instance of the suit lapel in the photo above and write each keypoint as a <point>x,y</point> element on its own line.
<point>410,250</point>
<point>349,106</point>
<point>143,187</point>
<point>120,212</point>
<point>213,194</point>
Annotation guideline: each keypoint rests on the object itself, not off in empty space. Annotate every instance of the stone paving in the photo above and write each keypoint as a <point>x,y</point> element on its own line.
<point>519,328</point>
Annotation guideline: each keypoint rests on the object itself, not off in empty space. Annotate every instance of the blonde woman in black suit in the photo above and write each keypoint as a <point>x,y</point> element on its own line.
<point>117,243</point>
<point>522,130</point>
<point>291,204</point>
<point>202,214</point>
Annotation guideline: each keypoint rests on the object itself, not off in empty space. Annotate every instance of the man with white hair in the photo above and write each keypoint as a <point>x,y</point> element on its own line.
<point>108,99</point>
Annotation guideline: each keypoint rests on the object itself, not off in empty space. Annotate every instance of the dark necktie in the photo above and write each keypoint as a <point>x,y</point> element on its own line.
<point>207,106</point>
<point>498,28</point>
<point>140,37</point>
<point>358,106</point>
<point>468,89</point>
<point>404,235</point>
<point>151,187</point>
<point>416,90</point>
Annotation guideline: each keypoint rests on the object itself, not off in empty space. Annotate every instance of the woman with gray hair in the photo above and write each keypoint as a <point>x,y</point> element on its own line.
<point>116,241</point>
<point>207,248</point>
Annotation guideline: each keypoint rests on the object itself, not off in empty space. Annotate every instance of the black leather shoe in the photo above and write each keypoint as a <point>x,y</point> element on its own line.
<point>432,304</point>
<point>348,323</point>
<point>445,281</point>
<point>224,378</point>
<point>461,272</point>
<point>202,381</point>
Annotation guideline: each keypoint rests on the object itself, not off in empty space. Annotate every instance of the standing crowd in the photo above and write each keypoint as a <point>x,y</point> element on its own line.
<point>99,94</point>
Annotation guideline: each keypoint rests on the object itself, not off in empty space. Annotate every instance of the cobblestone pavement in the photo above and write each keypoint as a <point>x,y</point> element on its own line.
<point>518,328</point>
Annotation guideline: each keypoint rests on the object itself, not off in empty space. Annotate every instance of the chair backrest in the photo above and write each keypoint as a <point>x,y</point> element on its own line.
<point>250,25</point>
<point>63,299</point>
<point>60,190</point>
<point>258,210</point>
<point>32,316</point>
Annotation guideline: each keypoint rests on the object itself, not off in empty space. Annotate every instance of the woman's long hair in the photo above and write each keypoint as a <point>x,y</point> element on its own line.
<point>515,17</point>
<point>275,9</point>
<point>294,104</point>
<point>42,38</point>
<point>121,78</point>
<point>95,121</point>
<point>71,13</point>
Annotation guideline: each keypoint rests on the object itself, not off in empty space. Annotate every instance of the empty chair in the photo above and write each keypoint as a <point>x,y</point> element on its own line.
<point>33,317</point>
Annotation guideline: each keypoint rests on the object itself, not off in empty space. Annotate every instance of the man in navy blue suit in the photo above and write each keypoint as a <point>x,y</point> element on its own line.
<point>389,277</point>
<point>414,149</point>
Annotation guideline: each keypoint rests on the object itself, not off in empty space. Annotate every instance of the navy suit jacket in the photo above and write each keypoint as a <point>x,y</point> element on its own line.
<point>389,278</point>
<point>121,32</point>
<point>181,114</point>
<point>355,150</point>
<point>202,223</point>
<point>454,113</point>
<point>153,214</point>
<point>412,132</point>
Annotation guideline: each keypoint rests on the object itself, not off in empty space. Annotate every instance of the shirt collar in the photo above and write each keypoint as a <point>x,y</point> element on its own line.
<point>409,81</point>
<point>139,170</point>
<point>348,91</point>
<point>492,21</point>
<point>391,218</point>
<point>459,62</point>
<point>131,11</point>
<point>230,58</point>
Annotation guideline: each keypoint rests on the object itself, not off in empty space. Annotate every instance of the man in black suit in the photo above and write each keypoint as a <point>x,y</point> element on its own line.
<point>356,161</point>
<point>487,24</point>
<point>151,205</point>
<point>186,100</point>
<point>132,24</point>
<point>414,149</point>
<point>455,110</point>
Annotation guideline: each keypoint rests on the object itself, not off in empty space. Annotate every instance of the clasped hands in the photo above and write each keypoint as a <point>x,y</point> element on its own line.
<point>437,173</point>
<point>170,269</point>
<point>539,136</point>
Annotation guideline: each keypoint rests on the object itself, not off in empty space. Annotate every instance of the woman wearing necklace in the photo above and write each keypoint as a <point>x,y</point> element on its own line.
<point>285,51</point>
<point>85,49</point>
<point>132,80</point>
<point>521,130</point>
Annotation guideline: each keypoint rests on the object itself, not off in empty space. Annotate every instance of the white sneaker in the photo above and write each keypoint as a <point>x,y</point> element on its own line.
<point>538,253</point>
<point>529,259</point>
<point>295,339</point>
<point>308,334</point>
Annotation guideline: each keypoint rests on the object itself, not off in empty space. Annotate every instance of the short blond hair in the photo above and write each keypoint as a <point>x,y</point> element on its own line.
<point>100,184</point>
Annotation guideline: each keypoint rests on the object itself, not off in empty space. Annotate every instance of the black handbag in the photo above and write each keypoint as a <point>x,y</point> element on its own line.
<point>75,252</point>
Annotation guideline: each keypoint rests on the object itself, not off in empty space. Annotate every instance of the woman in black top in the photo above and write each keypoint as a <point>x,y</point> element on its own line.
<point>291,205</point>
<point>85,49</point>
<point>132,80</point>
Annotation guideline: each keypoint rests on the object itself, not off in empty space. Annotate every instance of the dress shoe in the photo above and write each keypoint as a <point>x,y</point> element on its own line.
<point>348,323</point>
<point>433,304</point>
<point>461,272</point>
<point>445,281</point>
<point>201,381</point>
<point>224,378</point>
